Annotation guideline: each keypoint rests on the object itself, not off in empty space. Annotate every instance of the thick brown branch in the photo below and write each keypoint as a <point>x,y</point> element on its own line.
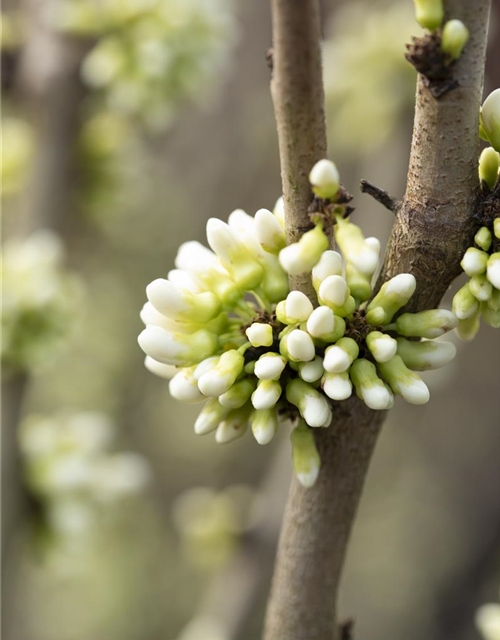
<point>380,196</point>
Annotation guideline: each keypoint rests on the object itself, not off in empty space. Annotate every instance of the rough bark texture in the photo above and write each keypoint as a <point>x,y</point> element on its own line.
<point>431,230</point>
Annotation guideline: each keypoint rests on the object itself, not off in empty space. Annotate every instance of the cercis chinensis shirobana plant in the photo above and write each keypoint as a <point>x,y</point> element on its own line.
<point>227,330</point>
<point>480,296</point>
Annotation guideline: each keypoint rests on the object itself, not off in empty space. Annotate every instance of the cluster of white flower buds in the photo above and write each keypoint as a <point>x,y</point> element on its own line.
<point>225,328</point>
<point>70,468</point>
<point>40,299</point>
<point>480,296</point>
<point>454,34</point>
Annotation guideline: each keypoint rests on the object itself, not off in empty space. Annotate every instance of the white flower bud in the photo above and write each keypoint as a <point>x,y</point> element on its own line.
<point>330,264</point>
<point>480,288</point>
<point>209,417</point>
<point>264,425</point>
<point>454,38</point>
<point>484,238</point>
<point>306,460</point>
<point>184,387</point>
<point>303,255</point>
<point>279,211</point>
<point>474,261</point>
<point>313,405</point>
<point>493,270</point>
<point>333,291</point>
<point>490,316</point>
<point>324,179</point>
<point>175,348</point>
<point>233,254</point>
<point>260,334</point>
<point>467,329</point>
<point>234,426</point>
<point>269,231</point>
<point>490,118</point>
<point>359,252</point>
<point>369,387</point>
<point>404,382</point>
<point>429,13</point>
<point>488,170</point>
<point>311,371</point>
<point>300,346</point>
<point>325,325</point>
<point>488,621</point>
<point>269,366</point>
<point>184,280</point>
<point>204,366</point>
<point>426,354</point>
<point>221,378</point>
<point>381,346</point>
<point>393,295</point>
<point>180,304</point>
<point>340,356</point>
<point>295,309</point>
<point>426,324</point>
<point>267,394</point>
<point>464,303</point>
<point>166,371</point>
<point>238,395</point>
<point>337,386</point>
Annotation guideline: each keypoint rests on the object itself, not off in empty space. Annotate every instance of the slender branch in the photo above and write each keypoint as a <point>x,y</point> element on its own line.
<point>431,229</point>
<point>380,196</point>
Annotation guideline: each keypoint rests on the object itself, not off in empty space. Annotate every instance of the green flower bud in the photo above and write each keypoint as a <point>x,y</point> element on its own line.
<point>180,304</point>
<point>488,168</point>
<point>337,386</point>
<point>393,295</point>
<point>361,253</point>
<point>260,334</point>
<point>369,387</point>
<point>494,301</point>
<point>264,424</point>
<point>481,288</point>
<point>474,261</point>
<point>324,179</point>
<point>340,356</point>
<point>269,231</point>
<point>295,309</point>
<point>454,38</point>
<point>404,382</point>
<point>426,324</point>
<point>209,417</point>
<point>496,228</point>
<point>426,354</point>
<point>483,238</point>
<point>490,316</point>
<point>464,303</point>
<point>467,329</point>
<point>239,394</point>
<point>490,119</point>
<point>221,378</point>
<point>178,349</point>
<point>358,283</point>
<point>306,460</point>
<point>312,405</point>
<point>302,256</point>
<point>267,394</point>
<point>429,13</point>
<point>234,425</point>
<point>381,346</point>
<point>274,281</point>
<point>324,325</point>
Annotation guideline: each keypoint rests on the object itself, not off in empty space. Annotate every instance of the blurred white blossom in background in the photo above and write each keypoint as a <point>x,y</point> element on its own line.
<point>488,621</point>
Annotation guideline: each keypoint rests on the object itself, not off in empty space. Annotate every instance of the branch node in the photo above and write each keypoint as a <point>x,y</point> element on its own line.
<point>388,201</point>
<point>425,54</point>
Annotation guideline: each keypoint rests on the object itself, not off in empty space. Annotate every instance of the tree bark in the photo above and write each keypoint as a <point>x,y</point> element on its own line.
<point>431,230</point>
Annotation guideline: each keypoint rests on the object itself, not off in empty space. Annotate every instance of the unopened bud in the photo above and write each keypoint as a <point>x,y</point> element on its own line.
<point>483,238</point>
<point>337,386</point>
<point>177,348</point>
<point>393,295</point>
<point>493,269</point>
<point>279,211</point>
<point>330,264</point>
<point>325,325</point>
<point>266,395</point>
<point>464,302</point>
<point>494,301</point>
<point>312,404</point>
<point>269,366</point>
<point>426,354</point>
<point>340,356</point>
<point>358,283</point>
<point>369,387</point>
<point>454,38</point>
<point>496,228</point>
<point>302,256</point>
<point>295,309</point>
<point>426,324</point>
<point>222,377</point>
<point>404,382</point>
<point>300,346</point>
<point>209,417</point>
<point>490,316</point>
<point>333,291</point>
<point>306,460</point>
<point>429,13</point>
<point>234,426</point>
<point>488,168</point>
<point>324,178</point>
<point>166,371</point>
<point>467,329</point>
<point>184,387</point>
<point>269,231</point>
<point>181,304</point>
<point>363,254</point>
<point>480,288</point>
<point>264,424</point>
<point>490,119</point>
<point>381,346</point>
<point>260,334</point>
<point>239,394</point>
<point>311,371</point>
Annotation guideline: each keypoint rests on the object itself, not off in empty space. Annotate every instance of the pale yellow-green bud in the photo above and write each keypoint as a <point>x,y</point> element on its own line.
<point>340,356</point>
<point>493,269</point>
<point>480,288</point>
<point>267,394</point>
<point>488,168</point>
<point>494,301</point>
<point>490,316</point>
<point>358,283</point>
<point>496,228</point>
<point>381,346</point>
<point>306,460</point>
<point>312,404</point>
<point>404,382</point>
<point>467,329</point>
<point>454,38</point>
<point>490,119</point>
<point>358,251</point>
<point>474,261</point>
<point>426,354</point>
<point>337,386</point>
<point>221,378</point>
<point>311,371</point>
<point>464,303</point>
<point>369,387</point>
<point>324,179</point>
<point>302,256</point>
<point>239,394</point>
<point>426,324</point>
<point>483,238</point>
<point>393,295</point>
<point>209,417</point>
<point>264,424</point>
<point>323,324</point>
<point>295,309</point>
<point>234,425</point>
<point>260,334</point>
<point>429,13</point>
<point>274,281</point>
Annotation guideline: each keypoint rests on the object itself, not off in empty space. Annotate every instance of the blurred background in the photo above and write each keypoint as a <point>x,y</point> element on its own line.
<point>126,124</point>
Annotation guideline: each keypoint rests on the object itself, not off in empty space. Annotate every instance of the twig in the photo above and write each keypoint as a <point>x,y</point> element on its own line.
<point>388,201</point>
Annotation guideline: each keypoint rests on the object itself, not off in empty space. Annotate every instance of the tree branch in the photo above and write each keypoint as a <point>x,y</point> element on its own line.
<point>380,196</point>
<point>431,230</point>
